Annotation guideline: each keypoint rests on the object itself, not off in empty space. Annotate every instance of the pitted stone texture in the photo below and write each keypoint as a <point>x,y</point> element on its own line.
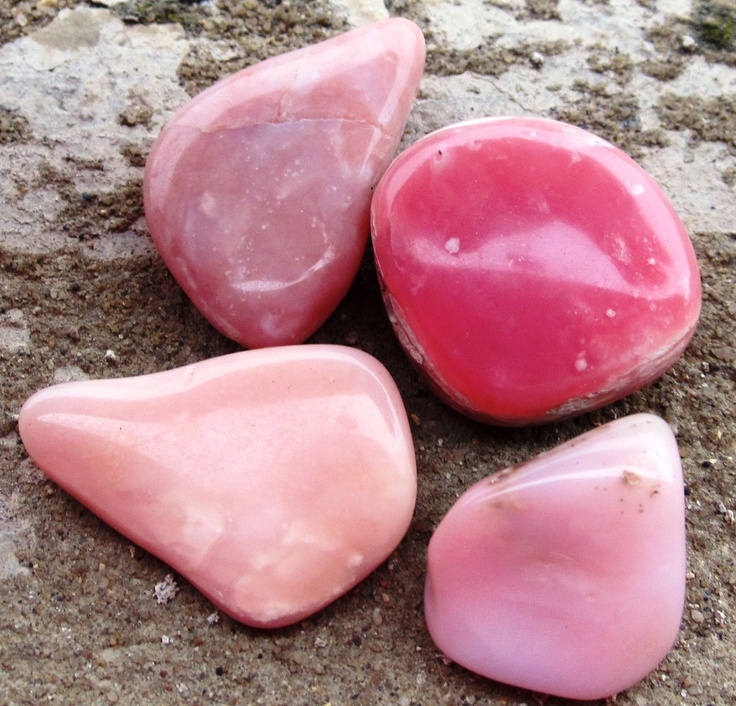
<point>468,24</point>
<point>71,82</point>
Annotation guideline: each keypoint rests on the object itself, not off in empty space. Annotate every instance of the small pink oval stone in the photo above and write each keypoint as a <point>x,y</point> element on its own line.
<point>566,574</point>
<point>273,480</point>
<point>531,270</point>
<point>257,193</point>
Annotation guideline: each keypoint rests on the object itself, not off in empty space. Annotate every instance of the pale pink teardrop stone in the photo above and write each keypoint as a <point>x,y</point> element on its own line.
<point>273,480</point>
<point>257,193</point>
<point>566,574</point>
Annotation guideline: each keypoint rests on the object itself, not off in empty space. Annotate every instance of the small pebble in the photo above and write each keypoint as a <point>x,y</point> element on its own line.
<point>165,591</point>
<point>688,43</point>
<point>536,59</point>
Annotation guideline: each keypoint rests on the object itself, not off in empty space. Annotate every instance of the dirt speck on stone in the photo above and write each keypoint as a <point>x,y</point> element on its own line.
<point>613,115</point>
<point>13,127</point>
<point>709,119</point>
<point>252,32</point>
<point>489,59</point>
<point>543,9</point>
<point>618,64</point>
<point>715,24</point>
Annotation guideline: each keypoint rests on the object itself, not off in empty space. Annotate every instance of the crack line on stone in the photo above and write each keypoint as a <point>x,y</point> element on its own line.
<point>505,93</point>
<point>280,118</point>
<point>293,122</point>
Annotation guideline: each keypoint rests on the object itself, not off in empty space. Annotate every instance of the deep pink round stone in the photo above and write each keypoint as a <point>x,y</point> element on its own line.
<point>532,271</point>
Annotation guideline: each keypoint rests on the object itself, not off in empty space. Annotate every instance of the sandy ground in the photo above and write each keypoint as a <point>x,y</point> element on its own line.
<point>83,92</point>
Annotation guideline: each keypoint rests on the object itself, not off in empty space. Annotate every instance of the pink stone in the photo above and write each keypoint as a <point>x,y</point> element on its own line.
<point>531,270</point>
<point>257,193</point>
<point>566,574</point>
<point>273,480</point>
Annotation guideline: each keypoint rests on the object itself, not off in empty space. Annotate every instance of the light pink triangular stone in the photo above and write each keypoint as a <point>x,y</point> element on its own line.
<point>273,480</point>
<point>257,193</point>
<point>566,574</point>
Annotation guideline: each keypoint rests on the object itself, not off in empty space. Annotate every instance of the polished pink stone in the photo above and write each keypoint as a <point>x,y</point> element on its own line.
<point>531,270</point>
<point>273,480</point>
<point>257,193</point>
<point>566,574</point>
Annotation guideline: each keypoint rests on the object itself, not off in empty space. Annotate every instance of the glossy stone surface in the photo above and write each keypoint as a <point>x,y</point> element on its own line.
<point>257,193</point>
<point>566,574</point>
<point>273,480</point>
<point>531,270</point>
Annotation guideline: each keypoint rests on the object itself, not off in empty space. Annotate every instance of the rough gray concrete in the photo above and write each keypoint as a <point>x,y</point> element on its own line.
<point>84,90</point>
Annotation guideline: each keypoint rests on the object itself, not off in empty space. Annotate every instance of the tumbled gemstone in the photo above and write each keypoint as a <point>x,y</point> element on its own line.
<point>257,192</point>
<point>531,270</point>
<point>273,480</point>
<point>566,574</point>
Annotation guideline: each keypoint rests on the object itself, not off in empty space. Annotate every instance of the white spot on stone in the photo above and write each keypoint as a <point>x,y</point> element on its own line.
<point>688,43</point>
<point>652,261</point>
<point>581,364</point>
<point>263,561</point>
<point>610,313</point>
<point>620,249</point>
<point>636,189</point>
<point>355,560</point>
<point>453,246</point>
<point>208,205</point>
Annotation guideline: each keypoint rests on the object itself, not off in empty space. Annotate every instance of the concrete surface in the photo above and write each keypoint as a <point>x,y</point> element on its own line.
<point>84,89</point>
